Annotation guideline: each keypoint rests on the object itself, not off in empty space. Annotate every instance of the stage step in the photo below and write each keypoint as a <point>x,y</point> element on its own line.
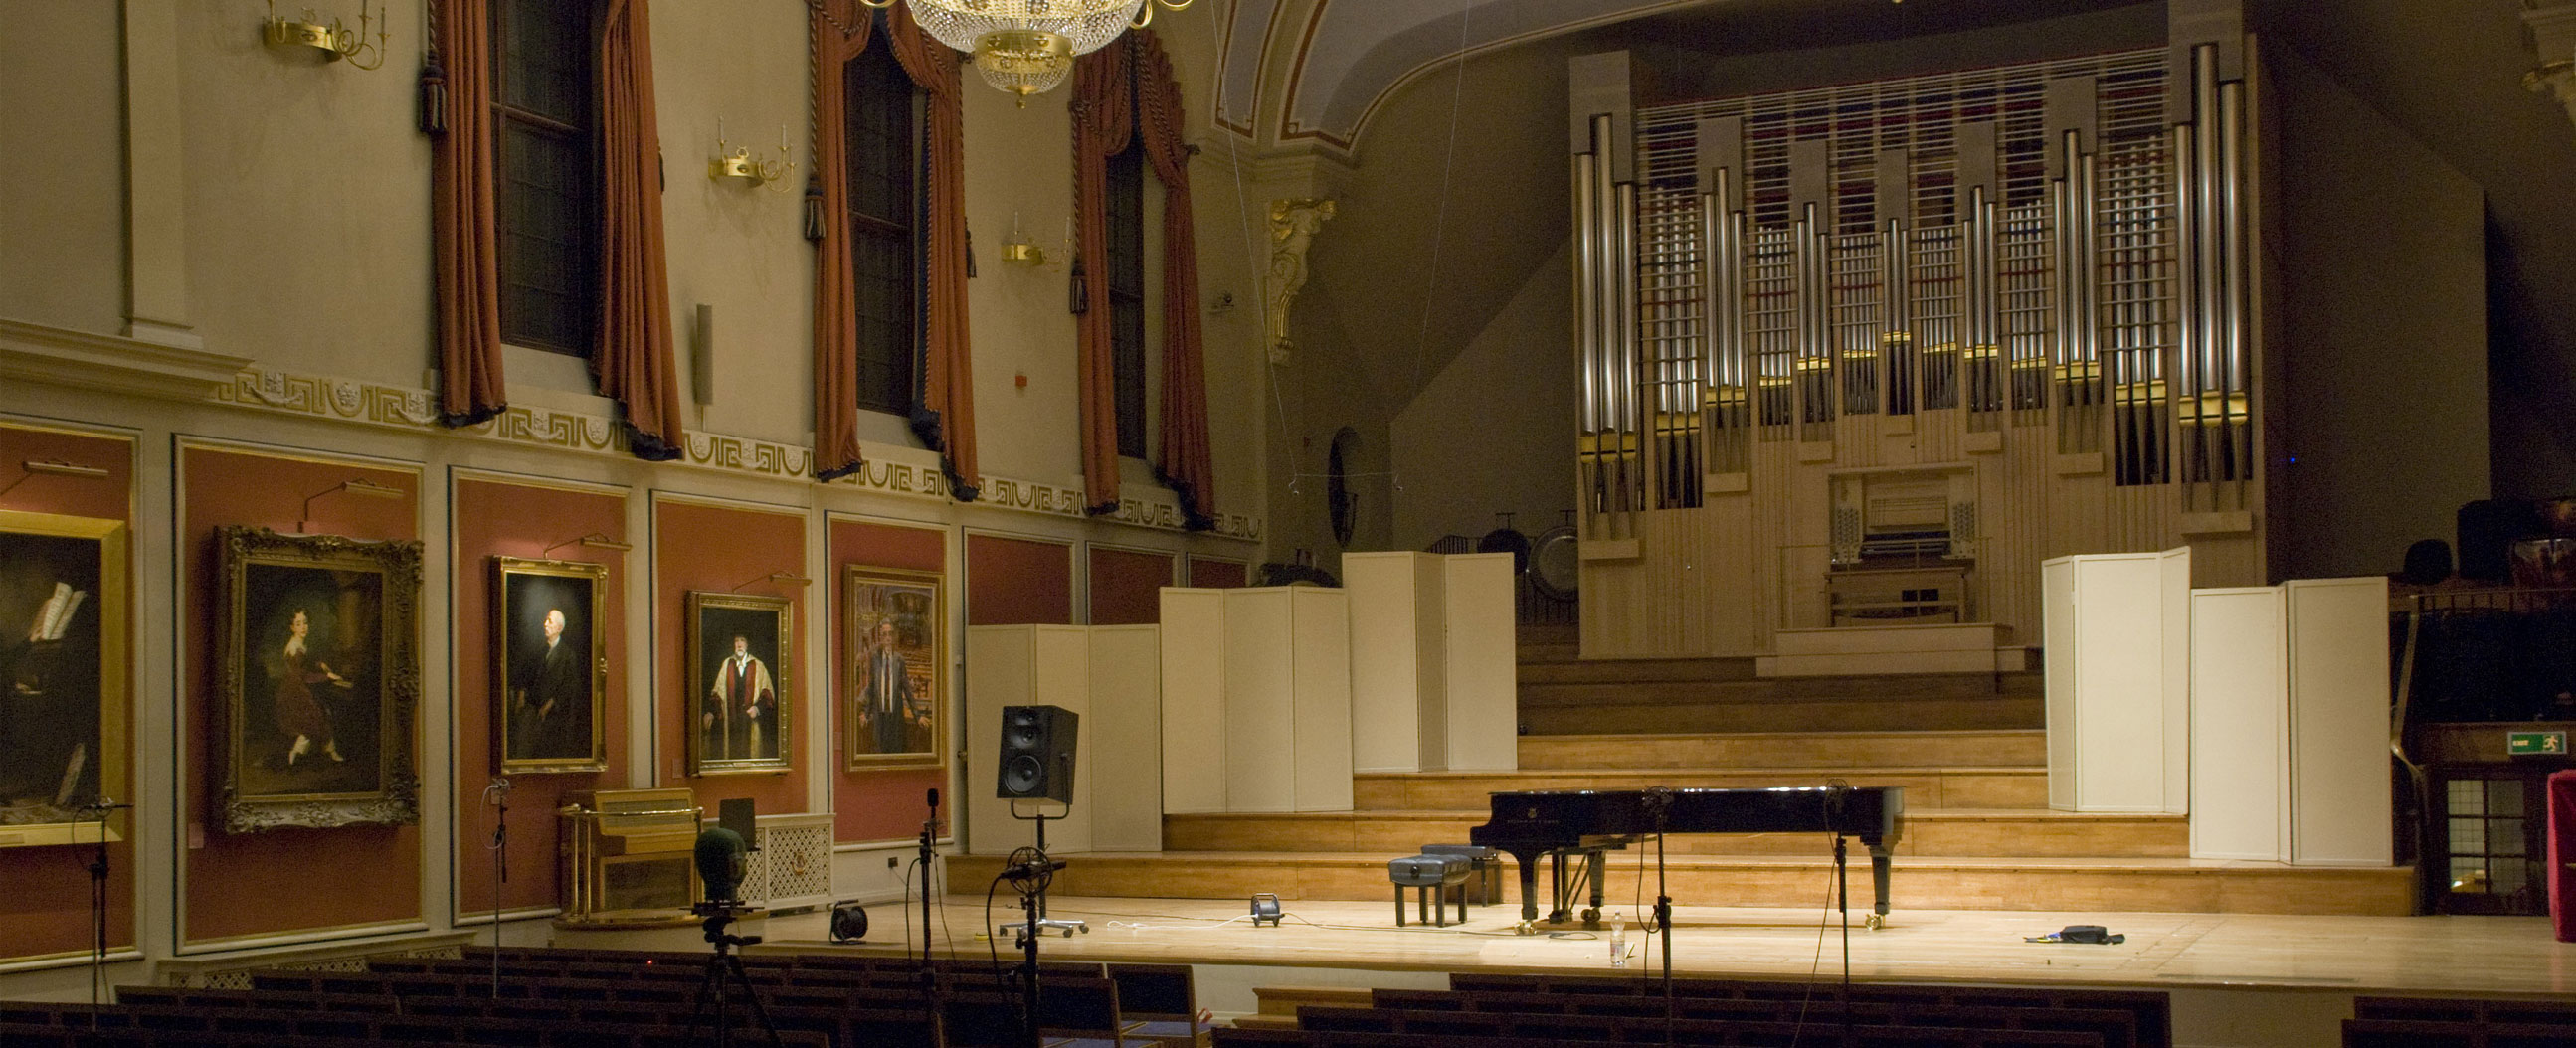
<point>1929,833</point>
<point>1948,701</point>
<point>1845,749</point>
<point>2080,885</point>
<point>1627,671</point>
<point>1925,787</point>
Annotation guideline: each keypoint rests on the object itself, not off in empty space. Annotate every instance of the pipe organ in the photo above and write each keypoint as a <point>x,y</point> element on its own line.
<point>2024,289</point>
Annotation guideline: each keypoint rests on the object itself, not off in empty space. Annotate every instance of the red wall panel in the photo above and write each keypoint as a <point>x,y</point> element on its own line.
<point>726,550</point>
<point>45,909</point>
<point>497,518</point>
<point>883,805</point>
<point>1018,582</point>
<point>340,877</point>
<point>1216,573</point>
<point>1127,586</point>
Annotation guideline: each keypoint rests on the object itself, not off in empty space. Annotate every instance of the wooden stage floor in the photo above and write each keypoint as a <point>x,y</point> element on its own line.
<point>2347,955</point>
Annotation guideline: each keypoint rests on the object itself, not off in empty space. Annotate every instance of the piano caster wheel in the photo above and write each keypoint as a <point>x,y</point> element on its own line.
<point>1591,916</point>
<point>1874,921</point>
<point>1526,928</point>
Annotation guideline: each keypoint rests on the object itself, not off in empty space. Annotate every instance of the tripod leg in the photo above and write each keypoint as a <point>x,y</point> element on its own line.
<point>759,1011</point>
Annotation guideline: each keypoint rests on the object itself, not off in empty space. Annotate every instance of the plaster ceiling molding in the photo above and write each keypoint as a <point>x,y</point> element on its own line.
<point>2549,29</point>
<point>83,359</point>
<point>1247,34</point>
<point>1352,54</point>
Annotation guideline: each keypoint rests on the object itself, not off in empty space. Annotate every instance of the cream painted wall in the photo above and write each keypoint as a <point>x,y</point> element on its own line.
<point>1470,446</point>
<point>307,200</point>
<point>2382,385</point>
<point>739,249</point>
<point>62,168</point>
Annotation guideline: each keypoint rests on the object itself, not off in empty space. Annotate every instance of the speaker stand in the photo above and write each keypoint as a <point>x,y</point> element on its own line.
<point>1038,923</point>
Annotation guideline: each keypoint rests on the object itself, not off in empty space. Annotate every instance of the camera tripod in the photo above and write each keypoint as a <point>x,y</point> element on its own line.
<point>725,977</point>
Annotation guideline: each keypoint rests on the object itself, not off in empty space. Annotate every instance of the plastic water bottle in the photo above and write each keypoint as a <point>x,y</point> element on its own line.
<point>1618,941</point>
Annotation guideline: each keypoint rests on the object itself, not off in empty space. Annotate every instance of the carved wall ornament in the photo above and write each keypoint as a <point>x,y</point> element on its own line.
<point>1293,224</point>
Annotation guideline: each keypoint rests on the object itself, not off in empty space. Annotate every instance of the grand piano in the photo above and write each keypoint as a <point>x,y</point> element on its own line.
<point>1563,824</point>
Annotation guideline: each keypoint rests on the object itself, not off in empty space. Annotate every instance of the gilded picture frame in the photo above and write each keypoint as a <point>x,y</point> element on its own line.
<point>894,672</point>
<point>319,651</point>
<point>740,707</point>
<point>549,665</point>
<point>64,691</point>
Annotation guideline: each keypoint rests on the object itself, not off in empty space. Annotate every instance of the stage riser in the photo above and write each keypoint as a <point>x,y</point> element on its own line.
<point>1622,715</point>
<point>1940,788</point>
<point>2041,834</point>
<point>1699,882</point>
<point>1622,671</point>
<point>1985,749</point>
<point>1790,689</point>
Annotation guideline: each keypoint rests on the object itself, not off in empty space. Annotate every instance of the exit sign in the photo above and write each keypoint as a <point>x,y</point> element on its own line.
<point>2517,743</point>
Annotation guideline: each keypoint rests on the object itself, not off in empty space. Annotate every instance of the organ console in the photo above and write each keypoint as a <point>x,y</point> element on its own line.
<point>627,855</point>
<point>1564,824</point>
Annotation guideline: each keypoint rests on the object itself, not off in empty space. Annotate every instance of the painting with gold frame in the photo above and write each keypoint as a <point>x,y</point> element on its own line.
<point>739,702</point>
<point>63,694</point>
<point>549,664</point>
<point>320,671</point>
<point>893,627</point>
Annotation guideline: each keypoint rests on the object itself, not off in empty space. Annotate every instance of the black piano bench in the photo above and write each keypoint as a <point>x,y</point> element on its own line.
<point>1430,877</point>
<point>1483,864</point>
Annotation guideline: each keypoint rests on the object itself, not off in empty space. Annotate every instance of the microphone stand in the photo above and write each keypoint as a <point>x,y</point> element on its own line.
<point>929,978</point>
<point>98,910</point>
<point>498,795</point>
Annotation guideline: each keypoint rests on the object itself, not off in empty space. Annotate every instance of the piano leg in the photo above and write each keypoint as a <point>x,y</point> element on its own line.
<point>1878,852</point>
<point>1529,887</point>
<point>1562,885</point>
<point>1593,863</point>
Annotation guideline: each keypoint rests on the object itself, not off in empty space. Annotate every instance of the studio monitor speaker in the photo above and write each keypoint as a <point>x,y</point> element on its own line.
<point>1037,753</point>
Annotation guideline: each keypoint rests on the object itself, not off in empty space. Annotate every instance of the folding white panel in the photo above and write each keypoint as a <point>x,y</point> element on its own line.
<point>2240,705</point>
<point>1193,700</point>
<point>2339,760</point>
<point>2115,723</point>
<point>1260,701</point>
<point>1322,697</point>
<point>1483,721</point>
<point>1398,689</point>
<point>1125,733</point>
<point>1025,666</point>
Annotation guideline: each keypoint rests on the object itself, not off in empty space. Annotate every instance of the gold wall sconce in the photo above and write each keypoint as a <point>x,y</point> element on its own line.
<point>1019,249</point>
<point>336,41</point>
<point>739,163</point>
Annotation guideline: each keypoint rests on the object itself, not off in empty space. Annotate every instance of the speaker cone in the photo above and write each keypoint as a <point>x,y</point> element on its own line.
<point>1021,776</point>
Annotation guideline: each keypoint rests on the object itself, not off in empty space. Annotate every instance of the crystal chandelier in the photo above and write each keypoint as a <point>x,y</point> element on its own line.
<point>1027,46</point>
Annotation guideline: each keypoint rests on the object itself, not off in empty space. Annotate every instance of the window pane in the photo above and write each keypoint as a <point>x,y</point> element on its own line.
<point>1126,276</point>
<point>545,177</point>
<point>881,169</point>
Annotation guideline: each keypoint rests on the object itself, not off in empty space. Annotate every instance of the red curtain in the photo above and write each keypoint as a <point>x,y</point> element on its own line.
<point>633,359</point>
<point>1185,466</point>
<point>1103,123</point>
<point>457,110</point>
<point>945,419</point>
<point>836,323</point>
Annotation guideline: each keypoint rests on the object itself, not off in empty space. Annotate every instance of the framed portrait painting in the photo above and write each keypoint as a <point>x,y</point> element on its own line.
<point>62,675</point>
<point>319,648</point>
<point>893,624</point>
<point>738,719</point>
<point>550,662</point>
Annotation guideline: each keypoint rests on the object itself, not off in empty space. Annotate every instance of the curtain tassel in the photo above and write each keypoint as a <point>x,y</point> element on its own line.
<point>1080,301</point>
<point>970,252</point>
<point>814,210</point>
<point>433,99</point>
